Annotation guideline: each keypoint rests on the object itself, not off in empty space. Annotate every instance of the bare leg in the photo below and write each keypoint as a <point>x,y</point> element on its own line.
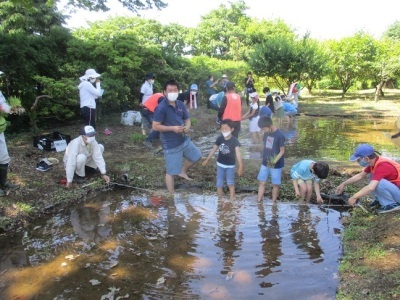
<point>220,192</point>
<point>261,190</point>
<point>186,165</point>
<point>170,182</point>
<point>275,192</point>
<point>232,191</point>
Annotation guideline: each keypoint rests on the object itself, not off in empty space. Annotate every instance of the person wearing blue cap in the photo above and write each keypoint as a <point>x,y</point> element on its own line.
<point>384,179</point>
<point>190,96</point>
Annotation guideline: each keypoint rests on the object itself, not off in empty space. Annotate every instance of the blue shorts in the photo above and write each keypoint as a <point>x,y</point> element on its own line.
<point>228,173</point>
<point>173,157</point>
<point>276,175</point>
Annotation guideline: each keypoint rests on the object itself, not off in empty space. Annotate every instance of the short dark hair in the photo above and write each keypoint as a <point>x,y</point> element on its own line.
<point>230,86</point>
<point>265,90</point>
<point>265,122</point>
<point>171,82</point>
<point>228,122</point>
<point>321,169</point>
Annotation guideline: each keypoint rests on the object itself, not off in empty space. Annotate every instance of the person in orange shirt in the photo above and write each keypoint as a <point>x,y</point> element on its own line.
<point>147,112</point>
<point>231,108</point>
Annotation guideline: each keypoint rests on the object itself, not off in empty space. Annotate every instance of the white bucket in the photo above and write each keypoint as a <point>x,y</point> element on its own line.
<point>131,117</point>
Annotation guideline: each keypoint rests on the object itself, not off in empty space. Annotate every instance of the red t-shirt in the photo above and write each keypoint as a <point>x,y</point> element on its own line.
<point>384,170</point>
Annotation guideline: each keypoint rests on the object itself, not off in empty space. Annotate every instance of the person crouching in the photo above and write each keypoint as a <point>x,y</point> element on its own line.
<point>83,152</point>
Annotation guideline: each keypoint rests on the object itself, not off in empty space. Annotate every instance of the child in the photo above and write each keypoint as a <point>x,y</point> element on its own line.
<point>303,174</point>
<point>229,154</point>
<point>279,110</point>
<point>253,116</point>
<point>273,159</point>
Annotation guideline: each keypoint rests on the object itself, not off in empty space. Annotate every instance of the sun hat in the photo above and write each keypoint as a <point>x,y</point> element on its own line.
<point>90,73</point>
<point>88,131</point>
<point>224,76</point>
<point>254,95</point>
<point>362,150</point>
<point>194,87</point>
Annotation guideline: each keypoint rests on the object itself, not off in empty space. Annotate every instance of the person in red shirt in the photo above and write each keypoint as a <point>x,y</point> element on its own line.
<point>384,175</point>
<point>231,108</point>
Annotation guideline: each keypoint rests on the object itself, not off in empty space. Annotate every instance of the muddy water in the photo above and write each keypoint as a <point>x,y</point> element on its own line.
<point>187,247</point>
<point>139,246</point>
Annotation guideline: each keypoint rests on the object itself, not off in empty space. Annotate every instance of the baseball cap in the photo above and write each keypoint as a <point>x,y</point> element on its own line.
<point>254,95</point>
<point>88,131</point>
<point>194,87</point>
<point>362,150</point>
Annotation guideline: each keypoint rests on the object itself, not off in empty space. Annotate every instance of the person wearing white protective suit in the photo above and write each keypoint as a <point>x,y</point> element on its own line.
<point>5,109</point>
<point>84,154</point>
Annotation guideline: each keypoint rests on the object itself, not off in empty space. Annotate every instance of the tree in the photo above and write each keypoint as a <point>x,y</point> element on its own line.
<point>97,5</point>
<point>351,59</point>
<point>393,32</point>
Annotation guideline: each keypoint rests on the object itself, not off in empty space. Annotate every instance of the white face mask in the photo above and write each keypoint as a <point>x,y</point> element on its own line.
<point>194,92</point>
<point>90,139</point>
<point>92,80</point>
<point>254,106</point>
<point>226,134</point>
<point>151,81</point>
<point>172,96</point>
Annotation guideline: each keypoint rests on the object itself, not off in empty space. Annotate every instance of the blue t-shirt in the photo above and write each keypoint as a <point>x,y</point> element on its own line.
<point>210,90</point>
<point>169,115</point>
<point>273,141</point>
<point>227,150</point>
<point>265,111</point>
<point>302,170</point>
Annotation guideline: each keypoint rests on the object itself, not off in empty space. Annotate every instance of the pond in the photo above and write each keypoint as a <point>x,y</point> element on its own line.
<point>193,247</point>
<point>123,245</point>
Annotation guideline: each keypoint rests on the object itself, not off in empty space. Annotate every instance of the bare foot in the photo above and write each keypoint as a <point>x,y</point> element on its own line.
<point>184,176</point>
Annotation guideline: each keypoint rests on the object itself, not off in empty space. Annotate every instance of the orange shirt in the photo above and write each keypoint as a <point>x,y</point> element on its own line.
<point>233,109</point>
<point>152,102</point>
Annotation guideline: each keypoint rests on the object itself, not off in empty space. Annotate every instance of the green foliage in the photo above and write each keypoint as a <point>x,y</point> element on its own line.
<point>393,32</point>
<point>137,137</point>
<point>101,5</point>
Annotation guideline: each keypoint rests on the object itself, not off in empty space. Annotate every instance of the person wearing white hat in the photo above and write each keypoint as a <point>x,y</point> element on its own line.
<point>89,91</point>
<point>223,81</point>
<point>84,154</point>
<point>5,109</point>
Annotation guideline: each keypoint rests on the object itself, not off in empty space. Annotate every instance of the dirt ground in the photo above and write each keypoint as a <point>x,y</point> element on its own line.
<point>42,192</point>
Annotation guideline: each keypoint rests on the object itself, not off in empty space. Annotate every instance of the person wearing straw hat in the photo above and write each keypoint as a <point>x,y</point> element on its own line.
<point>88,93</point>
<point>384,179</point>
<point>84,154</point>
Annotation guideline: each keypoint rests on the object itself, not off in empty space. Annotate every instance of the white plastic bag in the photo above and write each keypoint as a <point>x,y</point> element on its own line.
<point>131,118</point>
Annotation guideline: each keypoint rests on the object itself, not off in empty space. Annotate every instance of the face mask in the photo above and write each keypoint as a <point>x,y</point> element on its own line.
<point>90,139</point>
<point>226,134</point>
<point>151,81</point>
<point>254,106</point>
<point>172,96</point>
<point>92,80</point>
<point>194,92</point>
<point>363,163</point>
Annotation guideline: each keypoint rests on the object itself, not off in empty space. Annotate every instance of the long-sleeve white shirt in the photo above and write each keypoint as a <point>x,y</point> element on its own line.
<point>78,146</point>
<point>88,93</point>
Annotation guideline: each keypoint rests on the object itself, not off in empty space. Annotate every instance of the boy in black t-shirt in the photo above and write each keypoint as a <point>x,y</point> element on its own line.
<point>228,155</point>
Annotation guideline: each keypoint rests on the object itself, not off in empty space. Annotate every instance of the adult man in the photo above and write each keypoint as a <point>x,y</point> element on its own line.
<point>384,175</point>
<point>5,109</point>
<point>210,88</point>
<point>171,118</point>
<point>88,95</point>
<point>84,153</point>
<point>231,108</point>
<point>147,112</point>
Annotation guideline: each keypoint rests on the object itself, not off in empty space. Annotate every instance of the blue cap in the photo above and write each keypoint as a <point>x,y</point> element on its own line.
<point>362,150</point>
<point>194,87</point>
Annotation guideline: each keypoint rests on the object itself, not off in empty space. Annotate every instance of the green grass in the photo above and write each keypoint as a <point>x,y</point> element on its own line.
<point>137,137</point>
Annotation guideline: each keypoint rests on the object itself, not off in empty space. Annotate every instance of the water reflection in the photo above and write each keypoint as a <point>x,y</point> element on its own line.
<point>152,248</point>
<point>305,236</point>
<point>290,131</point>
<point>270,243</point>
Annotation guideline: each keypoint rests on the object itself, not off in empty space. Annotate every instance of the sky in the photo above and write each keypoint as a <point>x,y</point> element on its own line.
<point>323,19</point>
